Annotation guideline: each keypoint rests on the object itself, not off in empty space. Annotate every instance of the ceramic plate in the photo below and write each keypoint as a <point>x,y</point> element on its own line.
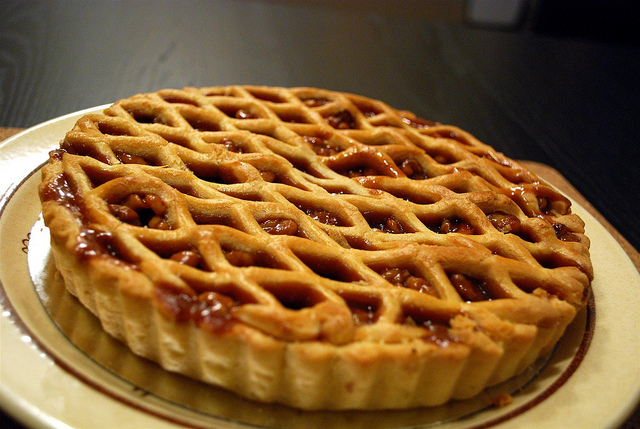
<point>59,369</point>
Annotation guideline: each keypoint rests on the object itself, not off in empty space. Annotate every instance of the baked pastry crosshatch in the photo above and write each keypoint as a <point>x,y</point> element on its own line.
<point>312,248</point>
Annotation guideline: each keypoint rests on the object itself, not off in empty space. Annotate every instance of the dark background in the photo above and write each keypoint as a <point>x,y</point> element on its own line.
<point>559,85</point>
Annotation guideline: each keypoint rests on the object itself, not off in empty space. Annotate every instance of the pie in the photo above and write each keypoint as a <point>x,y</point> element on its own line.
<point>312,248</point>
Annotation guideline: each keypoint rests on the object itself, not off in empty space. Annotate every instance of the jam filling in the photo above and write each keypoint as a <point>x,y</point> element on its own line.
<point>238,113</point>
<point>148,210</point>
<point>230,145</point>
<point>364,309</point>
<point>279,226</point>
<point>548,202</point>
<point>443,158</point>
<point>84,150</point>
<point>469,288</point>
<point>504,222</point>
<point>368,110</point>
<point>240,258</point>
<point>363,314</point>
<point>364,170</point>
<point>245,114</point>
<point>363,163</point>
<point>357,242</point>
<point>370,113</point>
<point>95,243</point>
<point>187,257</point>
<point>321,146</point>
<point>211,310</point>
<point>436,327</point>
<point>455,225</point>
<point>268,176</point>
<point>127,158</point>
<point>543,204</point>
<point>438,334</point>
<point>550,206</point>
<point>412,169</point>
<point>404,278</point>
<point>382,223</point>
<point>564,233</point>
<point>341,121</point>
<point>60,191</point>
<point>315,102</point>
<point>321,215</point>
<point>90,243</point>
<point>491,157</point>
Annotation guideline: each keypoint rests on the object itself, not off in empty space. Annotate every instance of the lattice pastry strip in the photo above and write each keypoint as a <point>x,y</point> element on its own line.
<point>207,227</point>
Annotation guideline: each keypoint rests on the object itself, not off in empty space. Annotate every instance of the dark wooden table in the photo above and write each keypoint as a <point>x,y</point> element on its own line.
<point>571,103</point>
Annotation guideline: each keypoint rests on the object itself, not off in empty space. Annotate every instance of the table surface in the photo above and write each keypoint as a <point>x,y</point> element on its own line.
<point>569,103</point>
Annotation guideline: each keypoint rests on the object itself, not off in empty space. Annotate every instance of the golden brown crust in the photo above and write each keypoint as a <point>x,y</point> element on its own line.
<point>313,248</point>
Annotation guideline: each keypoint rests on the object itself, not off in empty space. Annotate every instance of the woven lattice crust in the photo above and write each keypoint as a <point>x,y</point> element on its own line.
<point>313,248</point>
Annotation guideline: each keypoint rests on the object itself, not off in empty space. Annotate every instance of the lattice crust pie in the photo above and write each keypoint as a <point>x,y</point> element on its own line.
<point>312,248</point>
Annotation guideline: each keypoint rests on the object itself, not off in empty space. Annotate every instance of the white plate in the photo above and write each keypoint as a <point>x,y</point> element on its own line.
<point>59,369</point>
